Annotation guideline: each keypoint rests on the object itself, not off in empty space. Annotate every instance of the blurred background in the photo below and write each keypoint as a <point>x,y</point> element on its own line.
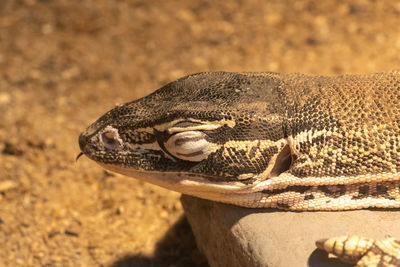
<point>63,63</point>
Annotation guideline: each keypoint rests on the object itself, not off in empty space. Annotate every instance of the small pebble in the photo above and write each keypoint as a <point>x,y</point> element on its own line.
<point>7,185</point>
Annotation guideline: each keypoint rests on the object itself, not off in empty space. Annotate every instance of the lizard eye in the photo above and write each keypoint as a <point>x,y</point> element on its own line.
<point>110,139</point>
<point>189,145</point>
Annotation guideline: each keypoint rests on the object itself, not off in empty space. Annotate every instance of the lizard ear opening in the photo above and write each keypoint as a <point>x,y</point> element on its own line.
<point>282,162</point>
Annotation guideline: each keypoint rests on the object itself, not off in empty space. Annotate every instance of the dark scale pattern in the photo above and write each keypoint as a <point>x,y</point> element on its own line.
<point>296,189</point>
<point>363,251</point>
<point>138,137</point>
<point>363,192</point>
<point>333,191</point>
<point>383,255</point>
<point>230,163</point>
<point>361,112</point>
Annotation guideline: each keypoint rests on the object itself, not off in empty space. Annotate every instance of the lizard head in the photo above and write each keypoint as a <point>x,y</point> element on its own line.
<point>221,130</point>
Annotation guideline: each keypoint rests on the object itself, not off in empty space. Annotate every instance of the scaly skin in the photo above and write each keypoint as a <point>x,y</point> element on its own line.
<point>285,141</point>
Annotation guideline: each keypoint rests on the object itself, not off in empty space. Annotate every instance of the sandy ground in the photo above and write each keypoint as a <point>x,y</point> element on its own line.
<point>63,63</point>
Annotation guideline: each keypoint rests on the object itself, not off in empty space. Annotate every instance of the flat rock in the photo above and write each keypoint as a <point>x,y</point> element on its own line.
<point>236,236</point>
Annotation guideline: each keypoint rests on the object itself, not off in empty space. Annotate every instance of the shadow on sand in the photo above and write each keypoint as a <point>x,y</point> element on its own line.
<point>177,248</point>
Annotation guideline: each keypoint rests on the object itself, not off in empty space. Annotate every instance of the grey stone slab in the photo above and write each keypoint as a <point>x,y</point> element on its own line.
<point>236,236</point>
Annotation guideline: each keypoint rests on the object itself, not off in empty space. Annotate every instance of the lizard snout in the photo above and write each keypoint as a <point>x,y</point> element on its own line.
<point>82,142</point>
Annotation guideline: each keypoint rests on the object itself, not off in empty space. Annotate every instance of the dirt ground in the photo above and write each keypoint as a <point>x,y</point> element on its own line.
<point>63,63</point>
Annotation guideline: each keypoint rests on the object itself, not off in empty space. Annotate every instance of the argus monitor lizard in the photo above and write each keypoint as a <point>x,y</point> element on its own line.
<point>286,141</point>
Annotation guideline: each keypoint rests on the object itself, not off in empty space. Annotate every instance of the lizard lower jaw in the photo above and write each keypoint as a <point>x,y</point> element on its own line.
<point>180,182</point>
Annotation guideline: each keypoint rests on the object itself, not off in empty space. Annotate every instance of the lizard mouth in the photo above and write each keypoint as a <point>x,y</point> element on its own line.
<point>181,182</point>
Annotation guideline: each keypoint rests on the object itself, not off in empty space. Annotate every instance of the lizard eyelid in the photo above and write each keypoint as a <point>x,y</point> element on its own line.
<point>190,145</point>
<point>187,123</point>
